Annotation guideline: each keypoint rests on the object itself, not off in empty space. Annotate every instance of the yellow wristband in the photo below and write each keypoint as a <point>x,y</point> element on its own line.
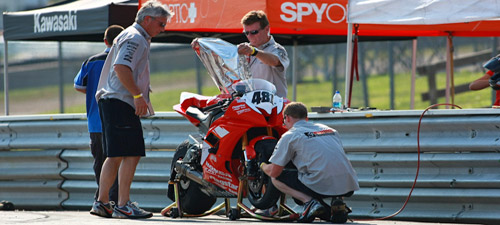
<point>137,96</point>
<point>253,51</point>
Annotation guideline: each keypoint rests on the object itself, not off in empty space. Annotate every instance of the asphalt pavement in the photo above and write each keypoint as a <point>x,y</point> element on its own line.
<point>84,218</point>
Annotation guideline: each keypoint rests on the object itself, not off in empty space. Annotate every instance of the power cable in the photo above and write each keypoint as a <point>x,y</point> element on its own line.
<point>418,163</point>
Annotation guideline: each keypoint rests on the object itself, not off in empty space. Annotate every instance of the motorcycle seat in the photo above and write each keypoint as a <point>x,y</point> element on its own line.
<point>197,114</point>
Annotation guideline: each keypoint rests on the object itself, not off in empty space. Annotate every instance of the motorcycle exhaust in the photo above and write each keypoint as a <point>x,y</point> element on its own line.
<point>196,176</point>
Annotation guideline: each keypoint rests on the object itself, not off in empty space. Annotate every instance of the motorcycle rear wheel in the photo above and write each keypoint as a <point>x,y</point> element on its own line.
<point>192,199</point>
<point>261,192</point>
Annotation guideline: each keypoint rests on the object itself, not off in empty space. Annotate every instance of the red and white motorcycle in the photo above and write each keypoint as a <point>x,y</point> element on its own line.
<point>238,129</point>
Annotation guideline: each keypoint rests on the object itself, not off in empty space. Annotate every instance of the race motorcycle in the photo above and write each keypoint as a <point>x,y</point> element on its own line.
<point>238,129</point>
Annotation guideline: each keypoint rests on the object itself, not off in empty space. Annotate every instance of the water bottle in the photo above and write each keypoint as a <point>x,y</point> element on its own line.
<point>337,101</point>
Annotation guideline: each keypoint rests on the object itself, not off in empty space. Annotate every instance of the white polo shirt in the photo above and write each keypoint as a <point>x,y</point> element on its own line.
<point>317,152</point>
<point>130,48</point>
<point>273,74</point>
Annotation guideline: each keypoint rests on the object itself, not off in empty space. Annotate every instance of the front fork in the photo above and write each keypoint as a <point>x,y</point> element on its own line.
<point>250,154</point>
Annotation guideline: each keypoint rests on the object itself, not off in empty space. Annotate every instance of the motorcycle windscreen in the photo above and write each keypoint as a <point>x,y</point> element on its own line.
<point>223,63</point>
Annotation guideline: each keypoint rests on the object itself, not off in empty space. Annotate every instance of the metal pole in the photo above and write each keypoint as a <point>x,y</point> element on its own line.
<point>450,86</point>
<point>294,70</point>
<point>348,64</point>
<point>61,80</point>
<point>391,73</point>
<point>364,77</point>
<point>6,76</point>
<point>494,52</point>
<point>413,74</point>
<point>452,71</point>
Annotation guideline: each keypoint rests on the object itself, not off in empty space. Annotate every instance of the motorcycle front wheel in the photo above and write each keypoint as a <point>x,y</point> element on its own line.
<point>261,192</point>
<point>192,199</point>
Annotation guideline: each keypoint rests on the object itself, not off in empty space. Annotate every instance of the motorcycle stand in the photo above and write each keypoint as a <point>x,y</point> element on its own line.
<point>282,208</point>
<point>285,213</point>
<point>174,210</point>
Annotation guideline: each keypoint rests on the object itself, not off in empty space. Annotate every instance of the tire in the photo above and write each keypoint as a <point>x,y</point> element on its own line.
<point>262,194</point>
<point>180,152</point>
<point>192,199</point>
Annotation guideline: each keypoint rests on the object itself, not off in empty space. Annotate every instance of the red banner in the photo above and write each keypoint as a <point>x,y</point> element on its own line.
<point>284,16</point>
<point>312,14</point>
<point>303,17</point>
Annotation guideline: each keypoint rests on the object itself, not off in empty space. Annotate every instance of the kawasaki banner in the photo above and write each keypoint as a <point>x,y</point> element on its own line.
<point>68,21</point>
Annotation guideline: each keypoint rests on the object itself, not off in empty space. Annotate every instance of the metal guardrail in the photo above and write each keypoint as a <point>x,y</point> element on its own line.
<point>31,180</point>
<point>459,177</point>
<point>149,187</point>
<point>69,131</point>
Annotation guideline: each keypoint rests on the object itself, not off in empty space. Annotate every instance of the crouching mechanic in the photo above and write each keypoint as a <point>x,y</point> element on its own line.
<point>323,169</point>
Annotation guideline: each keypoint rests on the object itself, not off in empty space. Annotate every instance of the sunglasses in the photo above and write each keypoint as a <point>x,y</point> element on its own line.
<point>252,32</point>
<point>161,24</point>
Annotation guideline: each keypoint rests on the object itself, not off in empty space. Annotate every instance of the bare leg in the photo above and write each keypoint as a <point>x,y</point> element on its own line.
<point>125,177</point>
<point>289,191</point>
<point>108,176</point>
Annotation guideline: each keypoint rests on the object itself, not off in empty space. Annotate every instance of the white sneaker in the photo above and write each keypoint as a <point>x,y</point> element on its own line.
<point>130,211</point>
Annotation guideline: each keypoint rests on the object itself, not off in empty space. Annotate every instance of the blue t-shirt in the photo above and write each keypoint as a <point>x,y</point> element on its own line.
<point>88,79</point>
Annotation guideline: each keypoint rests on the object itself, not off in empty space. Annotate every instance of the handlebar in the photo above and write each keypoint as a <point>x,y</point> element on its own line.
<point>223,103</point>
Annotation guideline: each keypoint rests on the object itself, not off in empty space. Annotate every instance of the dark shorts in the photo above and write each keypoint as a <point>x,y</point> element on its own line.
<point>291,179</point>
<point>121,129</point>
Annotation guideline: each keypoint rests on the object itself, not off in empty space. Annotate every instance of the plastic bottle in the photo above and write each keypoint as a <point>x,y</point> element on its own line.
<point>337,101</point>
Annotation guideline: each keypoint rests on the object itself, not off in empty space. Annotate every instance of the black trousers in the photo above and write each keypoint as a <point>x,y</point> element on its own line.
<point>99,157</point>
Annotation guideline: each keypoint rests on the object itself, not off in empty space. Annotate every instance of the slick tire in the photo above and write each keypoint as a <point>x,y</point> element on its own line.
<point>267,195</point>
<point>192,199</point>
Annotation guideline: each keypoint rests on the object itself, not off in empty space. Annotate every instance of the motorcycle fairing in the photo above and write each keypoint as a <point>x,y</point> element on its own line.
<point>220,131</point>
<point>264,100</point>
<point>229,130</point>
<point>212,139</point>
<point>250,149</point>
<point>189,99</point>
<point>220,177</point>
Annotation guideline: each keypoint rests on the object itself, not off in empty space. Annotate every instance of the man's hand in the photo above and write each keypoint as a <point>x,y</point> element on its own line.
<point>245,49</point>
<point>263,56</point>
<point>141,107</point>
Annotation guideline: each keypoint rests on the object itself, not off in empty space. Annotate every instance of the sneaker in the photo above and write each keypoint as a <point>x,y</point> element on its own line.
<point>339,212</point>
<point>101,209</point>
<point>312,209</point>
<point>130,211</point>
<point>268,212</point>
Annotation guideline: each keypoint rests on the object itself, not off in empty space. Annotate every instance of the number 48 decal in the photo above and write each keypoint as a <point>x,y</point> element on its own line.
<point>261,97</point>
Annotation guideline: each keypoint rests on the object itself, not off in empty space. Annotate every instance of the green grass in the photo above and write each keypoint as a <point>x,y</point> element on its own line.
<point>320,93</point>
<point>312,93</point>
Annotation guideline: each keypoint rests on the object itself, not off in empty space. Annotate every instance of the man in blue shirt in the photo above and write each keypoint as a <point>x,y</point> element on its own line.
<point>86,82</point>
